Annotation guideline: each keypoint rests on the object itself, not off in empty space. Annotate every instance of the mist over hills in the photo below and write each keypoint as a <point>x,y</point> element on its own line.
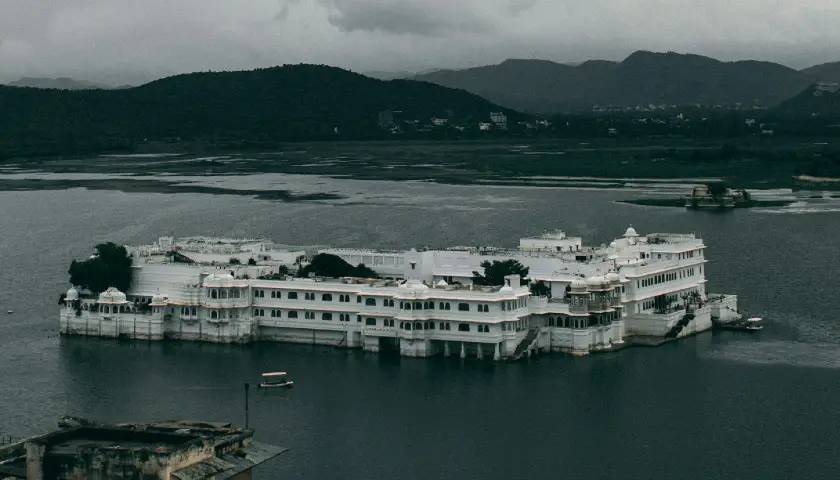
<point>60,83</point>
<point>643,78</point>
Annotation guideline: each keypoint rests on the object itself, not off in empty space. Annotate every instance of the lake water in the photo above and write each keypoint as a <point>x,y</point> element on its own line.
<point>718,405</point>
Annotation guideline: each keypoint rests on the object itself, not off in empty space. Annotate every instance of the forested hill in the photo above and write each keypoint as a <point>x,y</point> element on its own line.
<point>293,102</point>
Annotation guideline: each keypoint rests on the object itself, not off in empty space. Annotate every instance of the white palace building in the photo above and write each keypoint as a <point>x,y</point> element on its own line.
<point>636,289</point>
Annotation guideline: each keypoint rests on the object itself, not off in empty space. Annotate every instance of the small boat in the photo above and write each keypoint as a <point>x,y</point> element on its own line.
<point>754,323</point>
<point>10,312</point>
<point>276,380</point>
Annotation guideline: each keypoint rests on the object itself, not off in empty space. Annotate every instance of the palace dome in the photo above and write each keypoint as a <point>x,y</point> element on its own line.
<point>578,284</point>
<point>72,294</point>
<point>630,232</point>
<point>112,295</point>
<point>613,277</point>
<point>595,281</point>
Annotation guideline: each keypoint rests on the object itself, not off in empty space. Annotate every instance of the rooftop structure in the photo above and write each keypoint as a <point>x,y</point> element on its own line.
<point>576,299</point>
<point>176,450</point>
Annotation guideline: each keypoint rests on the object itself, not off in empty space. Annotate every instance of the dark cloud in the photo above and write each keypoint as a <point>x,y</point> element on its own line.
<point>427,18</point>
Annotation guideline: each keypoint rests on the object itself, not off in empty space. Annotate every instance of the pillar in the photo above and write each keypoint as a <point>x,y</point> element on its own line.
<point>463,351</point>
<point>446,351</point>
<point>497,352</point>
<point>478,348</point>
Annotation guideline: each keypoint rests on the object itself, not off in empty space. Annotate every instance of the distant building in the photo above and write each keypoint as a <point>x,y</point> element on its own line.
<point>499,120</point>
<point>750,122</point>
<point>439,122</point>
<point>386,120</point>
<point>612,131</point>
<point>176,450</point>
<point>485,126</point>
<point>826,87</point>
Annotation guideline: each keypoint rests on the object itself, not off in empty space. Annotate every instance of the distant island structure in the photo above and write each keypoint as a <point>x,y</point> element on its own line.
<point>551,293</point>
<point>716,196</point>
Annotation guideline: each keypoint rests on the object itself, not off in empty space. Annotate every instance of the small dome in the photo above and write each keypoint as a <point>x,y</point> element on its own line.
<point>630,232</point>
<point>158,300</point>
<point>72,294</point>
<point>578,284</point>
<point>613,277</point>
<point>112,295</point>
<point>595,281</point>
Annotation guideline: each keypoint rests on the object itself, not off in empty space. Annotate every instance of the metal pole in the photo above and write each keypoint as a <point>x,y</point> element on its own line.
<point>246,405</point>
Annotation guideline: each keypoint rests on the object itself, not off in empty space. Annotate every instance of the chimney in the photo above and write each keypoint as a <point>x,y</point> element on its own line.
<point>513,281</point>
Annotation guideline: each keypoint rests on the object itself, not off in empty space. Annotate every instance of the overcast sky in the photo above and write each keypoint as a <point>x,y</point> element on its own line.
<point>128,41</point>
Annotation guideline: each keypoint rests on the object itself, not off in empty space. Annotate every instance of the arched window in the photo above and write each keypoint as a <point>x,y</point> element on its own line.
<point>370,302</point>
<point>418,306</point>
<point>418,326</point>
<point>214,294</point>
<point>214,314</point>
<point>463,307</point>
<point>326,297</point>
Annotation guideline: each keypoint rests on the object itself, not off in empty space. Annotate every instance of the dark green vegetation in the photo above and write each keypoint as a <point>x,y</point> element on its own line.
<point>643,78</point>
<point>227,109</point>
<point>109,267</point>
<point>495,272</point>
<point>327,265</point>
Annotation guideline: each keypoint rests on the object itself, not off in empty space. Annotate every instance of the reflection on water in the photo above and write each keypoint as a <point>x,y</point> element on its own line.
<point>722,405</point>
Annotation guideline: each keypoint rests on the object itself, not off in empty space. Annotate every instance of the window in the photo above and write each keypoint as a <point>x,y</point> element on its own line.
<point>430,326</point>
<point>213,294</point>
<point>388,302</point>
<point>344,317</point>
<point>291,295</point>
<point>214,314</point>
<point>273,294</point>
<point>326,316</point>
<point>344,298</point>
<point>309,315</point>
<point>358,299</point>
<point>370,322</point>
<point>388,322</point>
<point>418,326</point>
<point>484,308</point>
<point>371,302</point>
<point>309,295</point>
<point>463,307</point>
<point>484,328</point>
<point>418,306</point>
<point>293,314</point>
<point>327,297</point>
<point>463,327</point>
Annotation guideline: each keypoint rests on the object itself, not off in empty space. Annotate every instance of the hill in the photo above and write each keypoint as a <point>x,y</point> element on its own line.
<point>642,78</point>
<point>61,83</point>
<point>293,102</point>
<point>819,102</point>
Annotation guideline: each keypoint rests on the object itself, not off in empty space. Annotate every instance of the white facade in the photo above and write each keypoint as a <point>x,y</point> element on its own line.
<point>426,304</point>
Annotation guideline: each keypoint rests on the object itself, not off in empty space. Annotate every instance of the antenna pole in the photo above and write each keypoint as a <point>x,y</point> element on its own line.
<point>246,405</point>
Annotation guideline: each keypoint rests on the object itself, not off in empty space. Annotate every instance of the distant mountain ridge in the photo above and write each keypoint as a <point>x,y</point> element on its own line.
<point>293,102</point>
<point>60,83</point>
<point>642,78</point>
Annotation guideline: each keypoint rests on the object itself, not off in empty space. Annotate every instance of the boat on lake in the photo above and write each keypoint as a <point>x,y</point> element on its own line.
<point>276,380</point>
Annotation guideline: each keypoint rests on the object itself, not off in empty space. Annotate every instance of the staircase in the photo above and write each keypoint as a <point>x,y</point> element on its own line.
<point>526,344</point>
<point>678,327</point>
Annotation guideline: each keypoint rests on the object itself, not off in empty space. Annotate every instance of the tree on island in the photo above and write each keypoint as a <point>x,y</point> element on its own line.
<point>540,289</point>
<point>110,266</point>
<point>495,272</point>
<point>328,265</point>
